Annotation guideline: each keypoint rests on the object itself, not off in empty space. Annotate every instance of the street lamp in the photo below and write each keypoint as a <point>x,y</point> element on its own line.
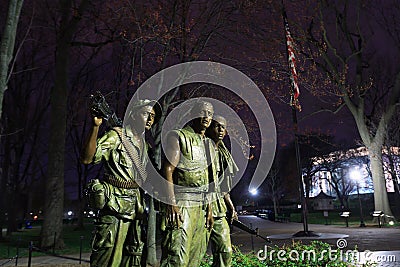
<point>355,175</point>
<point>254,192</point>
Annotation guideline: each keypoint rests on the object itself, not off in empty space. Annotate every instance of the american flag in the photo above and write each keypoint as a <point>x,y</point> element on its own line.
<point>294,101</point>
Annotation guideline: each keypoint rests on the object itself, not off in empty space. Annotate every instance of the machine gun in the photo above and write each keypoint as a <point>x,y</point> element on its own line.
<point>247,229</point>
<point>100,108</point>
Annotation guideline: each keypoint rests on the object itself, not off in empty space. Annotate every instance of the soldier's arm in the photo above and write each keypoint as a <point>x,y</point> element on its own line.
<point>172,154</point>
<point>90,147</point>
<point>231,207</point>
<point>209,217</point>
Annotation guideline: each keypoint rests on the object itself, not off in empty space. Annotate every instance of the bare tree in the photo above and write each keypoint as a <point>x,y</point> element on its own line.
<point>6,55</point>
<point>339,42</point>
<point>337,179</point>
<point>392,160</point>
<point>274,188</point>
<point>51,232</point>
<point>167,33</point>
<point>334,168</point>
<point>7,45</point>
<point>23,145</point>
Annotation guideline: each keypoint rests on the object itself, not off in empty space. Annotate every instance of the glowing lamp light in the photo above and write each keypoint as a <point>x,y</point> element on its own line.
<point>254,192</point>
<point>355,175</point>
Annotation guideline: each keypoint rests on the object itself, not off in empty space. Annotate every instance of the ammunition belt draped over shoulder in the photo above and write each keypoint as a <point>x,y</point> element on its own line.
<point>118,182</point>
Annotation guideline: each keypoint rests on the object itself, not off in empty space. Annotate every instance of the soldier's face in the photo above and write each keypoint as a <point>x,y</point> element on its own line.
<point>217,130</point>
<point>203,113</point>
<point>144,118</point>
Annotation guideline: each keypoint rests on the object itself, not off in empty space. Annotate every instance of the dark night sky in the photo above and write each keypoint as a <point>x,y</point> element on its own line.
<point>340,125</point>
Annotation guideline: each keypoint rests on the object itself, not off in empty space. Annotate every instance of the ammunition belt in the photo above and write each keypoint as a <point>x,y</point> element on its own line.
<point>118,182</point>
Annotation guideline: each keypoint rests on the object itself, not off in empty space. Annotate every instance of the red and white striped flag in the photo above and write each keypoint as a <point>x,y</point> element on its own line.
<point>294,101</point>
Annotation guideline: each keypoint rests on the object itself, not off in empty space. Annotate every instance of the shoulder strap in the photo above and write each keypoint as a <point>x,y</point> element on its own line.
<point>132,153</point>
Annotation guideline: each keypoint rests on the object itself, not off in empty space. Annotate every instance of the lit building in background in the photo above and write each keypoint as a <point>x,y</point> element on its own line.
<point>331,172</point>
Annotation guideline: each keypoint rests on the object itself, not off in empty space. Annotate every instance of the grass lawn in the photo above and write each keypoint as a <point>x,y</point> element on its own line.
<point>19,241</point>
<point>333,218</point>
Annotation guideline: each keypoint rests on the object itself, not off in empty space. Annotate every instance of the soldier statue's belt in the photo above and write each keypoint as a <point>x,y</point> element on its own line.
<point>118,182</point>
<point>191,196</point>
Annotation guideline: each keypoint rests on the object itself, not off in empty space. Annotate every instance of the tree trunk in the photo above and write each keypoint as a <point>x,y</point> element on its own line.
<point>53,211</point>
<point>7,44</point>
<point>378,178</point>
<point>275,202</point>
<point>6,55</point>
<point>374,146</point>
<point>342,202</point>
<point>4,188</point>
<point>81,198</point>
<point>51,234</point>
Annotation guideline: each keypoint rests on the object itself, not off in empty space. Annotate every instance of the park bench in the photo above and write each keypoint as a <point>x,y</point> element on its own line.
<point>345,215</point>
<point>378,214</point>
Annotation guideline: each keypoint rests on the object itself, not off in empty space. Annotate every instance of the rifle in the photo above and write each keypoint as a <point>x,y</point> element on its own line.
<point>247,229</point>
<point>100,108</point>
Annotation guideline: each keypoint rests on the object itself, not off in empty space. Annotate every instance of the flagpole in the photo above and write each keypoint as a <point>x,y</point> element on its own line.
<point>294,103</point>
<point>303,202</point>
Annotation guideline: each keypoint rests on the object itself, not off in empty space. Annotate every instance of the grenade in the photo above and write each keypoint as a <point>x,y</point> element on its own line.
<point>96,195</point>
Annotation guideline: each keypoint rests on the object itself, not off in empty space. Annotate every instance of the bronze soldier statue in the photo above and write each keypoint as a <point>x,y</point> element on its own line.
<point>117,238</point>
<point>187,216</point>
<point>220,199</point>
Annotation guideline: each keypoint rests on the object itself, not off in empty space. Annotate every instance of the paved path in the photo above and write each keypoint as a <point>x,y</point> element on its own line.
<point>384,243</point>
<point>380,245</point>
<point>369,238</point>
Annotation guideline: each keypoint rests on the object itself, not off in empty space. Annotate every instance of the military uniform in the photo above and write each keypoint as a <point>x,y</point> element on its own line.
<point>186,246</point>
<point>117,240</point>
<point>220,234</point>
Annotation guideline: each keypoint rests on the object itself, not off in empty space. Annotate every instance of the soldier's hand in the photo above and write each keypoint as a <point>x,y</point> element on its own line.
<point>174,216</point>
<point>209,221</point>
<point>231,215</point>
<point>234,216</point>
<point>209,218</point>
<point>97,121</point>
